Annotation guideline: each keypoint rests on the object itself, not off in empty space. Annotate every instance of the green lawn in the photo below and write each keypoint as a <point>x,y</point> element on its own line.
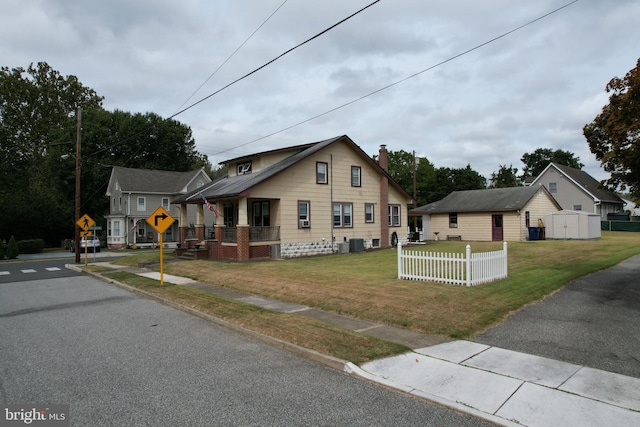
<point>365,285</point>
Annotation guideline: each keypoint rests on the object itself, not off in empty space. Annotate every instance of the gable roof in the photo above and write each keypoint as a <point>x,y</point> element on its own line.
<point>152,181</point>
<point>585,181</point>
<point>231,186</point>
<point>487,200</point>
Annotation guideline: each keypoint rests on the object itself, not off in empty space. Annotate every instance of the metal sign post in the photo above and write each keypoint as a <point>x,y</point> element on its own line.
<point>160,220</point>
<point>85,222</point>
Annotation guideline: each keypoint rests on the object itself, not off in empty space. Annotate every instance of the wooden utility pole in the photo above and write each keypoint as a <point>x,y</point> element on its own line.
<point>77,211</point>
<point>415,193</point>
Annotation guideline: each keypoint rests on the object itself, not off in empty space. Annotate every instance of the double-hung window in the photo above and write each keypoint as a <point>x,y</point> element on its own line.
<point>553,188</point>
<point>342,215</point>
<point>368,212</point>
<point>453,220</point>
<point>304,209</point>
<point>322,173</point>
<point>141,204</point>
<point>356,178</point>
<point>394,215</point>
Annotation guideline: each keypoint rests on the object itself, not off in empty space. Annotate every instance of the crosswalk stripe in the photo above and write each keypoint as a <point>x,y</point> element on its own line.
<point>4,273</point>
<point>30,270</point>
<point>52,269</point>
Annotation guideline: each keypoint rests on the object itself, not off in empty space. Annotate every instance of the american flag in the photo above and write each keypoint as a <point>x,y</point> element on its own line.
<point>209,205</point>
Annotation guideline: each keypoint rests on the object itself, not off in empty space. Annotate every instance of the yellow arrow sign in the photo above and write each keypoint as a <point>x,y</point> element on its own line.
<point>160,220</point>
<point>86,233</point>
<point>85,222</point>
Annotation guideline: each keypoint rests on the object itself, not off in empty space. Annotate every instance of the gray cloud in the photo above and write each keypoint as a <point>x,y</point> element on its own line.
<point>534,88</point>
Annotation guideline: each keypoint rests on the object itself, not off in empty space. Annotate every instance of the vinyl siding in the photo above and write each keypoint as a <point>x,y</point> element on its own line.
<point>298,183</point>
<point>568,194</point>
<point>477,226</point>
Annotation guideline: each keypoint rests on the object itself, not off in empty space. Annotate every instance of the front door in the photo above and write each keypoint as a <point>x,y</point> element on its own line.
<point>496,228</point>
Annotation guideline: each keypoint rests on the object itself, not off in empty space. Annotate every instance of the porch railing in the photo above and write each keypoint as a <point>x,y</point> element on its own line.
<point>264,234</point>
<point>256,234</point>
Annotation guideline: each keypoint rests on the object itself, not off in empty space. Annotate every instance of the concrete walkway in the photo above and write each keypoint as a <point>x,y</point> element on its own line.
<point>502,386</point>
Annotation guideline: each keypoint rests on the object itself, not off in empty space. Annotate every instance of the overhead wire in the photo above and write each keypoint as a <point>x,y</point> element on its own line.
<point>503,35</point>
<point>275,59</point>
<point>248,74</point>
<point>232,55</point>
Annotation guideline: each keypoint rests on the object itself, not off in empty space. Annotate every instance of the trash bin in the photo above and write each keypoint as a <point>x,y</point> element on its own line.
<point>541,233</point>
<point>534,233</point>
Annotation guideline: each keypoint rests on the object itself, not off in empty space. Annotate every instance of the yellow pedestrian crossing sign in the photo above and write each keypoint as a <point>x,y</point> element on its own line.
<point>85,222</point>
<point>160,220</point>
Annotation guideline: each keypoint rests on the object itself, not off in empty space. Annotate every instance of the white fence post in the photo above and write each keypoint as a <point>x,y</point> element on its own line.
<point>506,257</point>
<point>468,265</point>
<point>400,259</point>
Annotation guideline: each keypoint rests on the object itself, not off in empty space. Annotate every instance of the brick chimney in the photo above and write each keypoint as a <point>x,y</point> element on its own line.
<point>384,158</point>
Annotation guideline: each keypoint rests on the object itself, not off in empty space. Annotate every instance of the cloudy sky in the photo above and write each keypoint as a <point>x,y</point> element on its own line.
<point>535,87</point>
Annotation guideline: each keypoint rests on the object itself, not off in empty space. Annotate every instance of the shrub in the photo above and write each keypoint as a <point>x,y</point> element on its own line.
<point>1,250</point>
<point>33,246</point>
<point>12,248</point>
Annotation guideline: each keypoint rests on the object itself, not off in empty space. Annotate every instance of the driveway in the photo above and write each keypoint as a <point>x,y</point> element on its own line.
<point>593,321</point>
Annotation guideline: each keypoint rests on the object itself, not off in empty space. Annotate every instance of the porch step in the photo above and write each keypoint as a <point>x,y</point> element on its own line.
<point>190,254</point>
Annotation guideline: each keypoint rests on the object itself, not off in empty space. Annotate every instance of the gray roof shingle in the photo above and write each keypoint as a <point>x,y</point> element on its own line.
<point>588,183</point>
<point>152,181</point>
<point>488,200</point>
<point>236,185</point>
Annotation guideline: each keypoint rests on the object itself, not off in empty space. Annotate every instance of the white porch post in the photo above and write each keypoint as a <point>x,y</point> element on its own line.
<point>243,215</point>
<point>200,214</point>
<point>183,220</point>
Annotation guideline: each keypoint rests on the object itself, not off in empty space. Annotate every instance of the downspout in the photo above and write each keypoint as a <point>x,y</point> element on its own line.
<point>333,239</point>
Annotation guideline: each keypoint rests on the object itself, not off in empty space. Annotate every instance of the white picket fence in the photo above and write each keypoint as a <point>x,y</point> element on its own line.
<point>458,269</point>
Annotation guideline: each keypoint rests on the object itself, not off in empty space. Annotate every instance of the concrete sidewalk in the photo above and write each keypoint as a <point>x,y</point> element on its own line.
<point>502,386</point>
<point>510,388</point>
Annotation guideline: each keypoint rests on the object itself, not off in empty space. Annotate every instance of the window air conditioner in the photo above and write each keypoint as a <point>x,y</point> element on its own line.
<point>304,223</point>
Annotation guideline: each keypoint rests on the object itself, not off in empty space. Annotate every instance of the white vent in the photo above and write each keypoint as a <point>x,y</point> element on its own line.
<point>304,223</point>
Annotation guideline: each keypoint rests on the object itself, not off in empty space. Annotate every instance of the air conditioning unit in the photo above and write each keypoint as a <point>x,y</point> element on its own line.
<point>304,223</point>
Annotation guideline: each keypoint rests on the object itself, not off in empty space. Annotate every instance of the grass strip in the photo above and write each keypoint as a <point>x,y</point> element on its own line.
<point>291,328</point>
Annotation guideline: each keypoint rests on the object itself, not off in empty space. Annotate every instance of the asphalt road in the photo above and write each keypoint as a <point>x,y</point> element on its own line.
<point>120,359</point>
<point>593,321</point>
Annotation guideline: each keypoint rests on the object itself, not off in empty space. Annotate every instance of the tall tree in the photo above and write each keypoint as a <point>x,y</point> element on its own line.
<point>445,180</point>
<point>505,177</point>
<point>401,169</point>
<point>534,163</point>
<point>37,115</point>
<point>37,134</point>
<point>614,135</point>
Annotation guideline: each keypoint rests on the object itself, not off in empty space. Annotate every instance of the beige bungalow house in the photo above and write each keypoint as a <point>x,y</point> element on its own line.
<point>576,190</point>
<point>134,194</point>
<point>317,198</point>
<point>498,214</point>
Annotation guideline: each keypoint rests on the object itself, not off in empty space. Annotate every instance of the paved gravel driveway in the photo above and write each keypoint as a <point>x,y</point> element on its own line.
<point>593,321</point>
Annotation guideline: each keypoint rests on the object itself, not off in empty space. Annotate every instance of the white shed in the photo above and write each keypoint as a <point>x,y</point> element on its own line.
<point>572,225</point>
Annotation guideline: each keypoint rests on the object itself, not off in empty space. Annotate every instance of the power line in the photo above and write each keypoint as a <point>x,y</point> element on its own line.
<point>246,75</point>
<point>232,54</point>
<point>275,59</point>
<point>401,80</point>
